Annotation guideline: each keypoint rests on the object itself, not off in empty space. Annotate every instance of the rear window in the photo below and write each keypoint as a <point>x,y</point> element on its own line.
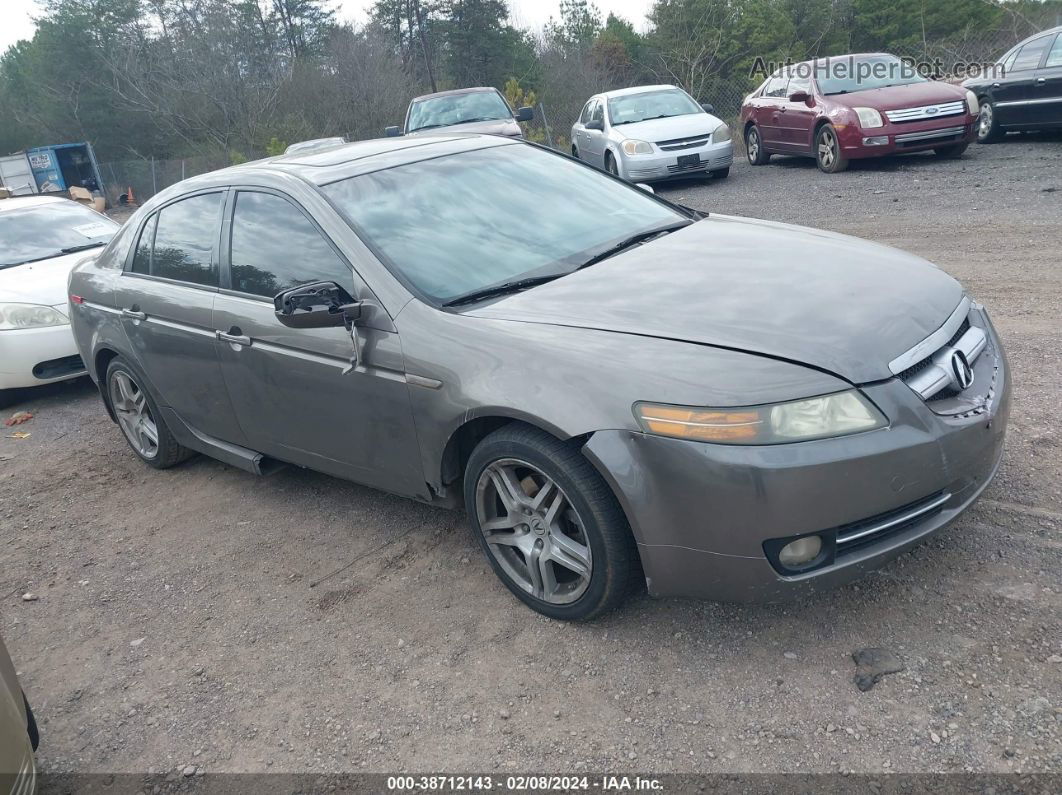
<point>178,242</point>
<point>1029,55</point>
<point>51,229</point>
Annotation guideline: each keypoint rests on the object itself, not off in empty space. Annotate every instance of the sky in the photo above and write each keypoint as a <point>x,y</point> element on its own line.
<point>16,15</point>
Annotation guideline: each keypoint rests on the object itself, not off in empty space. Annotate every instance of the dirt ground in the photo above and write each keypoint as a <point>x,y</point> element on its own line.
<point>179,622</point>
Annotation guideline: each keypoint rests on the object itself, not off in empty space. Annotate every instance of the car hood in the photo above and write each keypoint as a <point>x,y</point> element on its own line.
<point>507,127</point>
<point>836,303</point>
<point>897,97</point>
<point>42,282</point>
<point>670,128</point>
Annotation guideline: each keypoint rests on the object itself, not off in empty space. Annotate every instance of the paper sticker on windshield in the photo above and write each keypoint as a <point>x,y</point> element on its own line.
<point>95,229</point>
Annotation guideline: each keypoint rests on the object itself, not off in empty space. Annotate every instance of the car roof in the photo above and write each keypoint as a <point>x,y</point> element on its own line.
<point>455,92</point>
<point>323,166</point>
<point>22,202</point>
<point>1034,36</point>
<point>622,92</point>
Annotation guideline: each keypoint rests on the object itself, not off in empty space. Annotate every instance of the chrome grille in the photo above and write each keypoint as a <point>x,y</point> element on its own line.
<point>933,367</point>
<point>692,142</point>
<point>869,531</point>
<point>926,112</point>
<point>930,135</point>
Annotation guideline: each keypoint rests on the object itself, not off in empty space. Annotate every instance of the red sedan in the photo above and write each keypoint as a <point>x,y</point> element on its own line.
<point>855,106</point>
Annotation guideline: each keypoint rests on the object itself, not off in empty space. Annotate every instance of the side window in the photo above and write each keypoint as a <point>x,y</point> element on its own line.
<point>275,247</point>
<point>598,113</point>
<point>1029,55</point>
<point>776,86</point>
<point>184,240</point>
<point>798,84</point>
<point>1054,58</point>
<point>1008,63</point>
<point>584,117</point>
<point>142,257</point>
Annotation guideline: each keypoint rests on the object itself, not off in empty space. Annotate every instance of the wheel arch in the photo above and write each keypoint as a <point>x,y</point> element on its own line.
<point>101,360</point>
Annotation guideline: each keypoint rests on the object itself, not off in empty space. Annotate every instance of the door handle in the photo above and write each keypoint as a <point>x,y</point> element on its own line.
<point>995,85</point>
<point>235,339</point>
<point>1041,80</point>
<point>134,314</point>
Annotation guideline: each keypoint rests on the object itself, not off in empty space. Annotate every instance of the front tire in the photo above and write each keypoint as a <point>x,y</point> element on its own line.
<point>988,128</point>
<point>140,419</point>
<point>611,166</point>
<point>758,156</point>
<point>828,152</point>
<point>575,151</point>
<point>550,526</point>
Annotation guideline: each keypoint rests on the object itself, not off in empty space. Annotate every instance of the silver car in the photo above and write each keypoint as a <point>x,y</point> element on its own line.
<point>731,408</point>
<point>650,133</point>
<point>467,110</point>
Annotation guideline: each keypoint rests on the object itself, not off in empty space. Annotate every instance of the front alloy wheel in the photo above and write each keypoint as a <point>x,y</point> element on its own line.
<point>988,130</point>
<point>828,151</point>
<point>550,526</point>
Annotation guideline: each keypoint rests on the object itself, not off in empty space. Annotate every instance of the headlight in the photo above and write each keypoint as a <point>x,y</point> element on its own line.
<point>721,134</point>
<point>633,147</point>
<point>13,316</point>
<point>794,421</point>
<point>869,118</point>
<point>972,104</point>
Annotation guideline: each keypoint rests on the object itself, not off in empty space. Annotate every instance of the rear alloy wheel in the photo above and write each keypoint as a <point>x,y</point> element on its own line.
<point>139,418</point>
<point>550,526</point>
<point>828,151</point>
<point>988,130</point>
<point>757,155</point>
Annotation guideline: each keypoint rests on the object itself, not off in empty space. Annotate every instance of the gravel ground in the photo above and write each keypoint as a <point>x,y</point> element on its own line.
<point>178,623</point>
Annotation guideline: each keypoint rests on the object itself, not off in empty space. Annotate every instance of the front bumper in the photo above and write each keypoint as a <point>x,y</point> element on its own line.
<point>664,165</point>
<point>907,136</point>
<point>35,356</point>
<point>701,513</point>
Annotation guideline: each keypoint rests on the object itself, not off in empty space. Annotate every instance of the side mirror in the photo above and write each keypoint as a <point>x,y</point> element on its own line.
<point>392,132</point>
<point>800,96</point>
<point>646,187</point>
<point>317,305</point>
<point>525,114</point>
<point>708,107</point>
<point>595,124</point>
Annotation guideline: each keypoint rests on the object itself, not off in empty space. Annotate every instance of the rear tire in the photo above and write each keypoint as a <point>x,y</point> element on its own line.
<point>8,397</point>
<point>140,419</point>
<point>828,152</point>
<point>758,156</point>
<point>953,152</point>
<point>988,129</point>
<point>720,173</point>
<point>556,536</point>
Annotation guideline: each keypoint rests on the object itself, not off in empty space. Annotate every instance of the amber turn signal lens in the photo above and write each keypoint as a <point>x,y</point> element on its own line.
<point>704,426</point>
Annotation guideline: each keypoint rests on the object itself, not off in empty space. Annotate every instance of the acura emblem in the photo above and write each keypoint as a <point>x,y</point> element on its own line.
<point>962,373</point>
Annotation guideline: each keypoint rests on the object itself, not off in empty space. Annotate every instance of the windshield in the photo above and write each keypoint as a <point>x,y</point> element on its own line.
<point>849,74</point>
<point>457,109</point>
<point>453,225</point>
<point>633,108</point>
<point>43,231</point>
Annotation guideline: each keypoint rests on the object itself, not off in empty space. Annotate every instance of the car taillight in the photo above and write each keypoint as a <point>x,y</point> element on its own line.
<point>76,299</point>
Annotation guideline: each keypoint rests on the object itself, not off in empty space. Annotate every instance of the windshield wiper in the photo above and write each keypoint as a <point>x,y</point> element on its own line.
<point>502,289</point>
<point>82,247</point>
<point>632,241</point>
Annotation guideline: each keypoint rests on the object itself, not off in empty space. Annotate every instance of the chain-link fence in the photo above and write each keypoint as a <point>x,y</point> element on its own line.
<point>144,177</point>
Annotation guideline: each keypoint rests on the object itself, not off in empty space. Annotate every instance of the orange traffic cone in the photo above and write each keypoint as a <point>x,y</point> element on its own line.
<point>129,194</point>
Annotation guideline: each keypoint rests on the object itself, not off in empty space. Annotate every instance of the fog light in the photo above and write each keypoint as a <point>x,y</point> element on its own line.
<point>796,553</point>
<point>876,140</point>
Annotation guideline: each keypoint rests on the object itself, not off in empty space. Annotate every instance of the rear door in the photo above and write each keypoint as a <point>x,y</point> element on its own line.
<point>769,112</point>
<point>1046,106</point>
<point>166,297</point>
<point>579,136</point>
<point>1012,91</point>
<point>296,392</point>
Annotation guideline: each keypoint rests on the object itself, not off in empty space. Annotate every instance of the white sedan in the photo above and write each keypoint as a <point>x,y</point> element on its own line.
<point>41,239</point>
<point>650,133</point>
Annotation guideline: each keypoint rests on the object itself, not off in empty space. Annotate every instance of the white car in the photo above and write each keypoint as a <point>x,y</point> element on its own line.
<point>41,239</point>
<point>650,133</point>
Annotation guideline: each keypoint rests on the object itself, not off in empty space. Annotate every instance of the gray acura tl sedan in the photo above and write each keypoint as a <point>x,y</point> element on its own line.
<point>615,387</point>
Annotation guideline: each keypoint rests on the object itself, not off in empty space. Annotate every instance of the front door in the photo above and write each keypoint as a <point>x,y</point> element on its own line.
<point>166,297</point>
<point>1012,92</point>
<point>799,117</point>
<point>595,139</point>
<point>296,393</point>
